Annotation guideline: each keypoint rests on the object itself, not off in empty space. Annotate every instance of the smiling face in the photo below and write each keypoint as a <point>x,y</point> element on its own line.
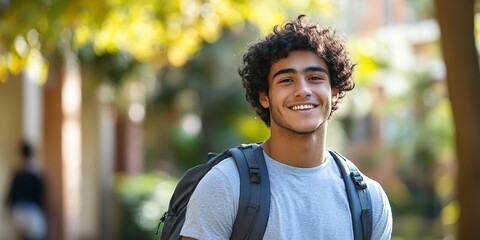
<point>300,94</point>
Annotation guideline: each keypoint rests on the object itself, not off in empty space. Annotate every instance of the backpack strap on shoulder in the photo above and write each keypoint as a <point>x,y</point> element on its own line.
<point>365,200</point>
<point>361,206</point>
<point>254,200</point>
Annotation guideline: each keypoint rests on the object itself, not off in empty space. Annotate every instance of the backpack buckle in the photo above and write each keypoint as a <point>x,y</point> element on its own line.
<point>162,220</point>
<point>360,184</point>
<point>254,174</point>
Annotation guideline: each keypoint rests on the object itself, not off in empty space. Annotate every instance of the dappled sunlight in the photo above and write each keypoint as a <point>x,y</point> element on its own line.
<point>191,125</point>
<point>450,213</point>
<point>37,69</point>
<point>477,30</point>
<point>21,46</point>
<point>136,112</point>
<point>27,56</point>
<point>71,145</point>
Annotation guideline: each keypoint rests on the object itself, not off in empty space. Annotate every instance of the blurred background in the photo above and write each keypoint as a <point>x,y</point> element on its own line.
<point>118,98</point>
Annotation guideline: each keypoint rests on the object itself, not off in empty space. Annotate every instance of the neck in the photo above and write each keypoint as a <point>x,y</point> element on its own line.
<point>298,150</point>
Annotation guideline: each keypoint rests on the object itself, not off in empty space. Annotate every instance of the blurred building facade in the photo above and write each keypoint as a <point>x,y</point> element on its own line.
<point>80,141</point>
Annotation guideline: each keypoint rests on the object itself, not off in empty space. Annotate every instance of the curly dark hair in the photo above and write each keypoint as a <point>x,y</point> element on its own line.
<point>295,35</point>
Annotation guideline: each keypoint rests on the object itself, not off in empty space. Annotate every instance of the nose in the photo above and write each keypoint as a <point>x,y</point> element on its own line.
<point>302,88</point>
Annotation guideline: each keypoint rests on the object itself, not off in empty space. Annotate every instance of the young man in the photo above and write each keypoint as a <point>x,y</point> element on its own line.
<point>294,79</point>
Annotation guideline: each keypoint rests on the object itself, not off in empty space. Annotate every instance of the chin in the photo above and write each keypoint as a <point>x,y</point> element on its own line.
<point>306,130</point>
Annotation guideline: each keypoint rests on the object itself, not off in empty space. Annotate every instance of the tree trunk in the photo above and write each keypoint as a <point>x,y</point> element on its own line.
<point>456,20</point>
<point>52,152</point>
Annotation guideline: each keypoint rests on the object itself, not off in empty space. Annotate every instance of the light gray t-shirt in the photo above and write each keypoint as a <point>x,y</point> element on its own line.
<point>306,203</point>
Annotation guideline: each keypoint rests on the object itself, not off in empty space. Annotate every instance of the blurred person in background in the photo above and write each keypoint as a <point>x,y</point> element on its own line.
<point>25,200</point>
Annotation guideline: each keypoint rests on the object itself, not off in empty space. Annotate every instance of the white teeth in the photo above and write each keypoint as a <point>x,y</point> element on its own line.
<point>302,107</point>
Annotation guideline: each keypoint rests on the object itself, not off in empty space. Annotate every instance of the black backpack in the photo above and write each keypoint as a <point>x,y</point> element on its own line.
<point>254,201</point>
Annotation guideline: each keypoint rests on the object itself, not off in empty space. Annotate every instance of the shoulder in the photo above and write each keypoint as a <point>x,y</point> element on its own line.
<point>375,187</point>
<point>213,221</point>
<point>225,170</point>
<point>224,176</point>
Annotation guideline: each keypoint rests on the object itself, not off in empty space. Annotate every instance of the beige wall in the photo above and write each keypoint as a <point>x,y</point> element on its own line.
<point>90,178</point>
<point>10,135</point>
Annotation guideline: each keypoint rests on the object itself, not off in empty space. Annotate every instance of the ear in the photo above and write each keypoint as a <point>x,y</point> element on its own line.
<point>335,93</point>
<point>264,101</point>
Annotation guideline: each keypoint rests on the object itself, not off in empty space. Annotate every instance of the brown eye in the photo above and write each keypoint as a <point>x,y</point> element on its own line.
<point>316,78</point>
<point>286,80</point>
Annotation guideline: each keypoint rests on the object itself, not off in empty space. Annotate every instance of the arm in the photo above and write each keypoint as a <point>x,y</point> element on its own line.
<point>11,192</point>
<point>382,213</point>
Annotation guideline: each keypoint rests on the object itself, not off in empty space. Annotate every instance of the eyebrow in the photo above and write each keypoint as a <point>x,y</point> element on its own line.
<point>306,70</point>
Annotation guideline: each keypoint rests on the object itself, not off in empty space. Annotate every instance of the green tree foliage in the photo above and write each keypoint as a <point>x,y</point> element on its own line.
<point>164,32</point>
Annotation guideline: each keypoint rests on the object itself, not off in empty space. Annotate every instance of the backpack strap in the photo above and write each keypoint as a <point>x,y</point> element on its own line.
<point>254,201</point>
<point>361,206</point>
